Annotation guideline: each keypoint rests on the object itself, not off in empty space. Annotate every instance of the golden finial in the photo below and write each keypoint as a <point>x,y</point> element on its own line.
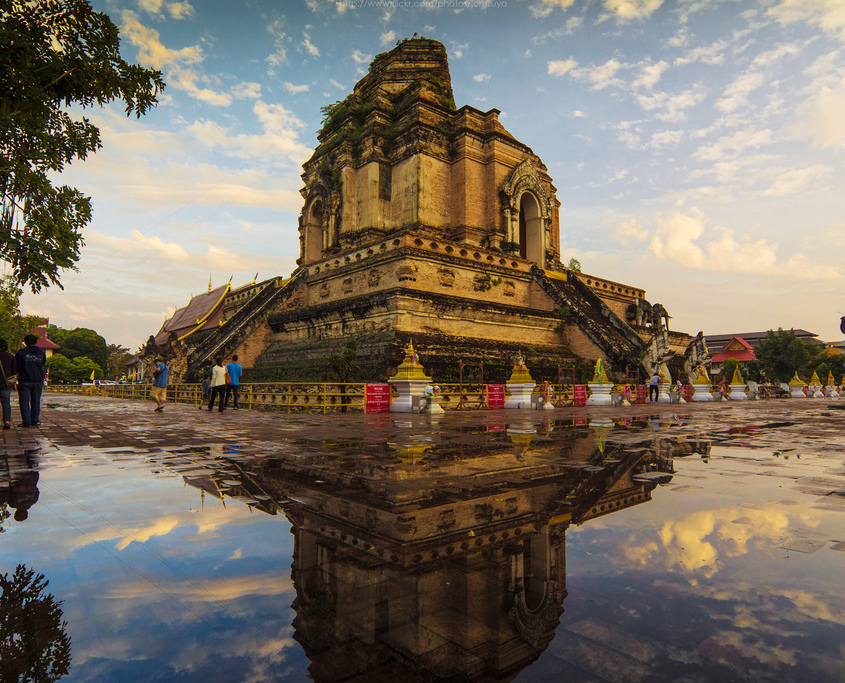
<point>255,279</point>
<point>209,283</point>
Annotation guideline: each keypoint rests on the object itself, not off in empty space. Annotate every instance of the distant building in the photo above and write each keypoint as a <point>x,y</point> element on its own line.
<point>834,348</point>
<point>44,343</point>
<point>717,342</point>
<point>736,349</point>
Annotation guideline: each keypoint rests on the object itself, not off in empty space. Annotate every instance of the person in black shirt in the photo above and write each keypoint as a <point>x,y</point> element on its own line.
<point>10,369</point>
<point>30,361</point>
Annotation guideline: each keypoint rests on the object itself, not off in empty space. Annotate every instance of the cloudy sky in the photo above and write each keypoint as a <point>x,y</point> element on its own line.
<point>697,146</point>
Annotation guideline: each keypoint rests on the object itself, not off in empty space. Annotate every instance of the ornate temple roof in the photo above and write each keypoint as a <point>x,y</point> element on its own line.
<point>203,312</point>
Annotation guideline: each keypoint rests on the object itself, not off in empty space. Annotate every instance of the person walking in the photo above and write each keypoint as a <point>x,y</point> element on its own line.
<point>10,370</point>
<point>218,385</point>
<point>235,371</point>
<point>159,389</point>
<point>653,387</point>
<point>30,362</point>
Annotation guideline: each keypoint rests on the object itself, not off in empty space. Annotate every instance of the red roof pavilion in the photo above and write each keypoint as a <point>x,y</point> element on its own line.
<point>737,349</point>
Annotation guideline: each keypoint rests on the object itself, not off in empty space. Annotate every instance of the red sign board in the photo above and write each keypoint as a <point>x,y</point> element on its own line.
<point>641,393</point>
<point>495,396</point>
<point>377,398</point>
<point>579,393</point>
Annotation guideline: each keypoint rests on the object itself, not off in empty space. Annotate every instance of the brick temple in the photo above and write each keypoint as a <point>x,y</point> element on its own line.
<point>426,222</point>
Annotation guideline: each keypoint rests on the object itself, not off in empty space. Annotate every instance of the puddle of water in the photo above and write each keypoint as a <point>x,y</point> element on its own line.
<point>577,549</point>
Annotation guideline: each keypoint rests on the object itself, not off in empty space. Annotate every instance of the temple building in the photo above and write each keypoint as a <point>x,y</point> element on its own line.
<point>435,560</point>
<point>421,221</point>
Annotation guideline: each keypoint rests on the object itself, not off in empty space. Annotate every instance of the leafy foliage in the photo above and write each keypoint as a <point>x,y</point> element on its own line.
<point>13,326</point>
<point>81,341</point>
<point>34,645</point>
<point>782,355</point>
<point>62,369</point>
<point>54,55</point>
<point>574,265</point>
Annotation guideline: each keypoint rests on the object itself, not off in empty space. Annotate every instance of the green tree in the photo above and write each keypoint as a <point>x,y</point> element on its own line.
<point>118,356</point>
<point>83,367</point>
<point>82,341</point>
<point>342,368</point>
<point>54,55</point>
<point>60,368</point>
<point>13,326</point>
<point>782,354</point>
<point>575,265</point>
<point>34,644</point>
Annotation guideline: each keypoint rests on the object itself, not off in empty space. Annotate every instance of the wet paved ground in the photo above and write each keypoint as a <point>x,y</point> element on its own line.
<point>161,535</point>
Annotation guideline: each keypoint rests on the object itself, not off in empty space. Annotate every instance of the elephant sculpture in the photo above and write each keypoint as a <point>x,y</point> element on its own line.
<point>659,317</point>
<point>639,313</point>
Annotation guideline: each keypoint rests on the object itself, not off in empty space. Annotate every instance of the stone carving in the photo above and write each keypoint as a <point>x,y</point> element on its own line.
<point>373,278</point>
<point>346,286</point>
<point>325,290</point>
<point>640,312</point>
<point>447,277</point>
<point>659,317</point>
<point>696,354</point>
<point>406,272</point>
<point>509,289</point>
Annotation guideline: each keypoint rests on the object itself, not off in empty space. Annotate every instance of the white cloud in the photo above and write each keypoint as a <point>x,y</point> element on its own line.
<point>709,54</point>
<point>458,49</point>
<point>829,15</point>
<point>794,180</point>
<point>665,138</point>
<point>731,145</point>
<point>310,48</point>
<point>561,67</point>
<point>822,115</point>
<point>247,91</point>
<point>736,94</point>
<point>388,37</point>
<point>361,58</point>
<point>176,10</point>
<point>296,89</point>
<point>631,228</point>
<point>687,240</point>
<point>601,76</point>
<point>672,107</point>
<point>337,85</point>
<point>151,51</point>
<point>578,114</point>
<point>650,74</point>
<point>481,78</point>
<point>545,7</point>
<point>629,10</point>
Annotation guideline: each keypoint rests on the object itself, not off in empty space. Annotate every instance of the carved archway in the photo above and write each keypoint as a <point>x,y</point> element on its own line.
<point>315,233</point>
<point>527,213</point>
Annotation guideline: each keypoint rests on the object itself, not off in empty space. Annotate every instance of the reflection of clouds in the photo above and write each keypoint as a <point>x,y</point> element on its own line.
<point>211,519</point>
<point>206,590</point>
<point>697,541</point>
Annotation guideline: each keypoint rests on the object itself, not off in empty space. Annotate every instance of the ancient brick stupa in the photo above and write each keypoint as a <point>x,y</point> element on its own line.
<point>424,221</point>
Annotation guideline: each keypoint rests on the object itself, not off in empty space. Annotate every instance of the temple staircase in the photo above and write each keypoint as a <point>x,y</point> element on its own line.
<point>248,318</point>
<point>606,329</point>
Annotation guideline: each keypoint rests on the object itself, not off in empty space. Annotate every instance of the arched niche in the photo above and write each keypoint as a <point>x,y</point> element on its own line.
<point>314,240</point>
<point>531,229</point>
<point>527,212</point>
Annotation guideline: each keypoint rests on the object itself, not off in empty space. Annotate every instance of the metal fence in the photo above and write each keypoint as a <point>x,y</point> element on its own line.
<point>298,397</point>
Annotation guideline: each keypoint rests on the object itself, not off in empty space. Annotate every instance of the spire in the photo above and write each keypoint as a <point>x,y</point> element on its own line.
<point>209,283</point>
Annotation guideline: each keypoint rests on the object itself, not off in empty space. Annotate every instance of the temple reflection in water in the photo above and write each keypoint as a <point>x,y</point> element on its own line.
<point>417,558</point>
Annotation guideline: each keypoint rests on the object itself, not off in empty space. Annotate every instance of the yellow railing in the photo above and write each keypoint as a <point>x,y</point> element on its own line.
<point>279,396</point>
<point>296,397</point>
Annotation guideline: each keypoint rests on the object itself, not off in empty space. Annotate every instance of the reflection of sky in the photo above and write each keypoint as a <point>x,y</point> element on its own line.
<point>727,571</point>
<point>157,582</point>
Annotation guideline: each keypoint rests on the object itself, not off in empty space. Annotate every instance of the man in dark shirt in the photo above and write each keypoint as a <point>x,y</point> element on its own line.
<point>30,361</point>
<point>10,371</point>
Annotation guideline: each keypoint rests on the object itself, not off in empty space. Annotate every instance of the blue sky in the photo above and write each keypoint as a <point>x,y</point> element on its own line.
<point>697,146</point>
